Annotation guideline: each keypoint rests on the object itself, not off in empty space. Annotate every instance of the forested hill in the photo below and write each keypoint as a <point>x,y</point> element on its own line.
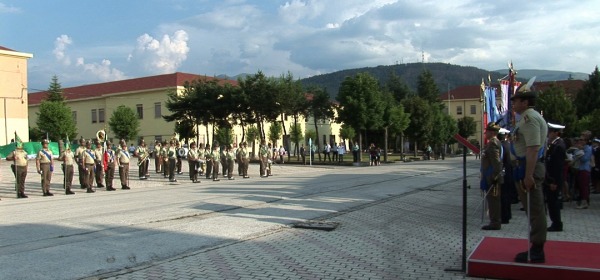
<point>445,75</point>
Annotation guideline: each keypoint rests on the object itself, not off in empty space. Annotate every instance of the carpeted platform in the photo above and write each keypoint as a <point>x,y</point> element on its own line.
<point>494,258</point>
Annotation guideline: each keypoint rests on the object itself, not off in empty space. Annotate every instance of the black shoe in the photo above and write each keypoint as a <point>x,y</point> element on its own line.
<point>215,180</point>
<point>231,178</point>
<point>90,190</point>
<point>490,227</point>
<point>197,181</point>
<point>173,181</point>
<point>125,188</point>
<point>505,222</point>
<point>68,192</point>
<point>537,256</point>
<point>48,194</point>
<point>21,195</point>
<point>246,177</point>
<point>555,228</point>
<point>83,187</point>
<point>111,189</point>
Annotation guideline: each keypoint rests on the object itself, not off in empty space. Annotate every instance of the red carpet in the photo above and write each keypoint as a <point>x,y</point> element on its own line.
<point>494,258</point>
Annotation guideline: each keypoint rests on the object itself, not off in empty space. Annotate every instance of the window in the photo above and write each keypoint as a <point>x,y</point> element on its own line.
<point>94,116</point>
<point>158,138</point>
<point>100,115</point>
<point>459,110</point>
<point>140,111</point>
<point>74,115</point>
<point>473,109</point>
<point>157,110</point>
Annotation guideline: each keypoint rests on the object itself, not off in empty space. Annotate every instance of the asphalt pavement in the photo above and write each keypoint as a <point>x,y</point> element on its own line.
<point>394,221</point>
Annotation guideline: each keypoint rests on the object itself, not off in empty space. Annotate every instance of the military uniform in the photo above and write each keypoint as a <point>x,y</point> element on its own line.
<point>110,168</point>
<point>193,162</point>
<point>263,153</point>
<point>19,168</point>
<point>68,167</point>
<point>245,160</point>
<point>99,167</point>
<point>172,156</point>
<point>157,157</point>
<point>80,165</point>
<point>555,163</point>
<point>178,161</point>
<point>45,167</point>
<point>89,160</point>
<point>215,158</point>
<point>143,158</point>
<point>209,162</point>
<point>230,155</point>
<point>531,131</point>
<point>123,160</point>
<point>491,176</point>
<point>164,151</point>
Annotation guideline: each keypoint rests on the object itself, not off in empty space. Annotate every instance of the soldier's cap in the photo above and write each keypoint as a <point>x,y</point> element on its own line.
<point>81,141</point>
<point>596,140</point>
<point>524,92</point>
<point>553,126</point>
<point>88,142</point>
<point>19,145</point>
<point>45,141</point>
<point>492,127</point>
<point>503,131</point>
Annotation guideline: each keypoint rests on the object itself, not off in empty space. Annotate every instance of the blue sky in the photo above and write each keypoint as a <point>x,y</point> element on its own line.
<point>84,42</point>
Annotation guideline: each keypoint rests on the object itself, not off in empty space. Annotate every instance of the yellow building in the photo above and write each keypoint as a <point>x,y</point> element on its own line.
<point>13,84</point>
<point>93,105</point>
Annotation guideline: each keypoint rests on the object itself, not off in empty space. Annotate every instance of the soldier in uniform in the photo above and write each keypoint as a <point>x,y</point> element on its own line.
<point>99,168</point>
<point>89,160</point>
<point>270,159</point>
<point>224,166</point>
<point>80,165</point>
<point>245,160</point>
<point>110,167</point>
<point>172,156</point>
<point>123,159</point>
<point>141,152</point>
<point>208,159</point>
<point>215,157</point>
<point>157,156</point>
<point>164,154</point>
<point>555,163</point>
<point>508,192</point>
<point>19,168</point>
<point>178,161</point>
<point>491,175</point>
<point>45,167</point>
<point>263,153</point>
<point>193,162</point>
<point>68,159</point>
<point>238,158</point>
<point>201,160</point>
<point>528,140</point>
<point>230,155</point>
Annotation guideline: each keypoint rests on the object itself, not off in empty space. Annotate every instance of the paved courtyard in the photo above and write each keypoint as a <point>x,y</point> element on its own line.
<point>395,221</point>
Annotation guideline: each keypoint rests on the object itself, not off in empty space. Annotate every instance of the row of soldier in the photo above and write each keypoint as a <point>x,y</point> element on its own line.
<point>99,164</point>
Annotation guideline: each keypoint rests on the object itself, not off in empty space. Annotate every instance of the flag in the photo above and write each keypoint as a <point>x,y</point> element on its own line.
<point>490,105</point>
<point>504,109</point>
<point>67,144</point>
<point>18,142</point>
<point>105,155</point>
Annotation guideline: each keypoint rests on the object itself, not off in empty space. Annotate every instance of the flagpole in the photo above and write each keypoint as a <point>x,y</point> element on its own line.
<point>511,89</point>
<point>15,165</point>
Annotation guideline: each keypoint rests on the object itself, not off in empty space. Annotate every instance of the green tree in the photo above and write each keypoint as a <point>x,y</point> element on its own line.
<point>421,120</point>
<point>588,98</point>
<point>294,104</point>
<point>361,105</point>
<point>320,109</point>
<point>264,95</point>
<point>124,123</point>
<point>347,132</point>
<point>224,135</point>
<point>275,133</point>
<point>395,120</point>
<point>296,137</point>
<point>55,91</point>
<point>557,108</point>
<point>398,87</point>
<point>444,130</point>
<point>186,129</point>
<point>253,135</point>
<point>310,134</point>
<point>466,127</point>
<point>427,88</point>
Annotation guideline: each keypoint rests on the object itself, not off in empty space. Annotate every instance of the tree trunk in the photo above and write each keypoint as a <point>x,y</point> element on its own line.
<point>385,145</point>
<point>360,146</point>
<point>318,138</point>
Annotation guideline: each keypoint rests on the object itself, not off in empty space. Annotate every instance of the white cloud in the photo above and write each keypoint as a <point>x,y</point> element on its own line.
<point>60,46</point>
<point>102,71</point>
<point>4,9</point>
<point>163,56</point>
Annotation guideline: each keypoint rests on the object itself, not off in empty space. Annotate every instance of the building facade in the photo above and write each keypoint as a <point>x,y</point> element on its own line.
<point>93,105</point>
<point>13,85</point>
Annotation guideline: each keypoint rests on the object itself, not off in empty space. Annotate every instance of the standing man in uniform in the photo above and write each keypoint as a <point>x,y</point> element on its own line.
<point>45,167</point>
<point>164,155</point>
<point>245,160</point>
<point>68,159</point>
<point>172,156</point>
<point>19,167</point>
<point>230,155</point>
<point>89,161</point>
<point>209,162</point>
<point>263,153</point>
<point>507,189</point>
<point>141,152</point>
<point>99,169</point>
<point>179,156</point>
<point>110,167</point>
<point>157,156</point>
<point>80,165</point>
<point>491,175</point>
<point>123,159</point>
<point>555,163</point>
<point>193,162</point>
<point>238,158</point>
<point>215,157</point>
<point>529,139</point>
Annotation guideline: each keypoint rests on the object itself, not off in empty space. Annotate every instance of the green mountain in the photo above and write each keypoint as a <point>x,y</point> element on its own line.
<point>551,75</point>
<point>446,76</point>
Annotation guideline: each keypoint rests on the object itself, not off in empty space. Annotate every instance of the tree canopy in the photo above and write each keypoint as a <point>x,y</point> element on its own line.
<point>124,123</point>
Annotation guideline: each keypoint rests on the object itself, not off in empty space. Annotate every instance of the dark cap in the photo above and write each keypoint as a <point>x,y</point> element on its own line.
<point>492,127</point>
